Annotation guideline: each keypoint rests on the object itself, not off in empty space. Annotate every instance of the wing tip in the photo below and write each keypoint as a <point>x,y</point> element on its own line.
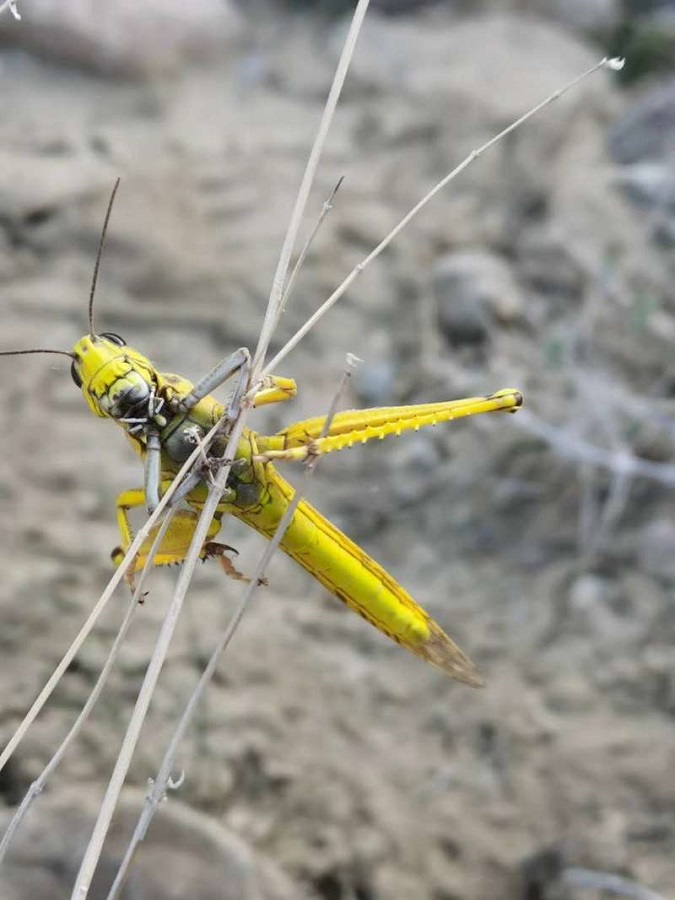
<point>447,656</point>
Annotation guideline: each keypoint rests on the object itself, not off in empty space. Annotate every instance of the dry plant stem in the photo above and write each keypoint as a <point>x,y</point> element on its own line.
<point>275,300</point>
<point>93,852</point>
<point>598,520</point>
<point>335,296</point>
<point>567,444</point>
<point>588,507</point>
<point>95,846</point>
<point>594,419</point>
<point>11,5</point>
<point>38,785</point>
<point>325,209</point>
<point>587,879</point>
<point>161,783</point>
<point>102,602</point>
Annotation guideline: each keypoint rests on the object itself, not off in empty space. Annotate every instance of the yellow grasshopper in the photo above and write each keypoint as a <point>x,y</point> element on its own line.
<point>164,416</point>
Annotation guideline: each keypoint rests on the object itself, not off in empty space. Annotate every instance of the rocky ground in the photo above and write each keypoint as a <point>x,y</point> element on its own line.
<point>543,542</point>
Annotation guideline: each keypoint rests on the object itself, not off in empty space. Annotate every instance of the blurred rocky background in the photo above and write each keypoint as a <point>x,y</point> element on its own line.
<point>544,542</point>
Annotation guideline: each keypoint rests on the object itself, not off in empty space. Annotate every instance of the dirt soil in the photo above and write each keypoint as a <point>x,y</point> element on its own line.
<point>357,770</point>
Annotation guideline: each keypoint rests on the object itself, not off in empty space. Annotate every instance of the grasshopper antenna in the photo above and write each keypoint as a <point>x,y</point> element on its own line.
<point>91,292</point>
<point>98,258</point>
<point>23,352</point>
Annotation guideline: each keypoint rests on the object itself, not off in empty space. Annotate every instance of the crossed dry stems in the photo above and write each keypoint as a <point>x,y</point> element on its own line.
<point>278,296</point>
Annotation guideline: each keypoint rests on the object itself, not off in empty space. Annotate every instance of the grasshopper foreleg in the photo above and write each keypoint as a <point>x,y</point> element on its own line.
<point>274,389</point>
<point>151,481</point>
<point>239,361</point>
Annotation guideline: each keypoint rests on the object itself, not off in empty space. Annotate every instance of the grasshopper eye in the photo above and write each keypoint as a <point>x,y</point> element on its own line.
<point>75,375</point>
<point>113,338</point>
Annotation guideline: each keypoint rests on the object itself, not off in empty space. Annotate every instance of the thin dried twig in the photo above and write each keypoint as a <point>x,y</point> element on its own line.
<point>162,782</point>
<point>11,5</point>
<point>102,602</point>
<point>325,209</point>
<point>587,879</point>
<point>93,851</point>
<point>38,785</point>
<point>115,784</point>
<point>271,314</point>
<point>95,846</point>
<point>614,63</point>
<point>121,767</point>
<point>574,447</point>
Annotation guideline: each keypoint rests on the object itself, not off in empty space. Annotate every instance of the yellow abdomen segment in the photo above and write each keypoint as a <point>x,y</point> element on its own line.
<point>349,573</point>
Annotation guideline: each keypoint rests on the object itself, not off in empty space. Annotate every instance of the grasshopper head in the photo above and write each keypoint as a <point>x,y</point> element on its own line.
<point>116,381</point>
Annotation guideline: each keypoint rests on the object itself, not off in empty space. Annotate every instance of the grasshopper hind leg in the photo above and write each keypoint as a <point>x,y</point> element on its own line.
<point>176,541</point>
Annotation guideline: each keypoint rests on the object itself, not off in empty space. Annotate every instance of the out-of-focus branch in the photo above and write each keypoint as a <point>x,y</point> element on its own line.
<point>587,879</point>
<point>11,5</point>
<point>570,445</point>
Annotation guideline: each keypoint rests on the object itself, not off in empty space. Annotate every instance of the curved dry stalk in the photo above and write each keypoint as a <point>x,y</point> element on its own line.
<point>95,846</point>
<point>187,570</point>
<point>587,879</point>
<point>93,851</point>
<point>11,5</point>
<point>161,783</point>
<point>595,419</point>
<point>565,443</point>
<point>614,63</point>
<point>325,209</point>
<point>38,785</point>
<point>276,294</point>
<point>102,602</point>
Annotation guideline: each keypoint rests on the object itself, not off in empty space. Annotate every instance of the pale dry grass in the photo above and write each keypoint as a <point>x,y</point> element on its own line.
<point>260,368</point>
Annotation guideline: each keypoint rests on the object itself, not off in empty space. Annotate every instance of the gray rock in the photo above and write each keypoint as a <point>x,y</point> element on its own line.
<point>656,551</point>
<point>185,854</point>
<point>36,187</point>
<point>651,185</point>
<point>648,183</point>
<point>373,382</point>
<point>588,591</point>
<point>585,15</point>
<point>431,61</point>
<point>127,38</point>
<point>473,290</point>
<point>546,264</point>
<point>647,130</point>
<point>209,175</point>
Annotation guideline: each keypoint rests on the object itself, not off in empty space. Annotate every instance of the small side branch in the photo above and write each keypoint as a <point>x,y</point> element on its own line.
<point>587,879</point>
<point>614,64</point>
<point>276,294</point>
<point>102,602</point>
<point>95,846</point>
<point>38,785</point>
<point>569,445</point>
<point>325,209</point>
